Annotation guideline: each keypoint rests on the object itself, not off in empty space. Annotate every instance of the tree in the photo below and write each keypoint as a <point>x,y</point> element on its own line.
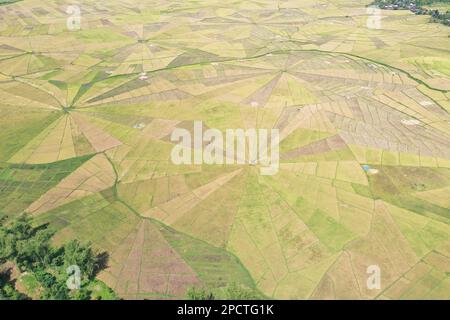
<point>35,252</point>
<point>7,289</point>
<point>238,292</point>
<point>30,249</point>
<point>82,294</point>
<point>199,294</point>
<point>75,253</point>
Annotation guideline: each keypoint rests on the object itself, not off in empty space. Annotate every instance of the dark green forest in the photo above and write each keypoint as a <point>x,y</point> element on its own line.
<point>26,250</point>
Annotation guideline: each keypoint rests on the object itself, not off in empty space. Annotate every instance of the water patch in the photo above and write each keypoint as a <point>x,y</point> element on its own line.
<point>369,170</point>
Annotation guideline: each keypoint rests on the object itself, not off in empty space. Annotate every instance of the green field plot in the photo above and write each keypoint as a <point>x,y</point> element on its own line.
<point>183,261</point>
<point>22,184</point>
<point>88,113</point>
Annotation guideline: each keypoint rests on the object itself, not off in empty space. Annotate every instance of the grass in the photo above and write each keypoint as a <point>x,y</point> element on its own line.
<point>106,222</point>
<point>28,124</point>
<point>100,291</point>
<point>281,235</point>
<point>5,2</point>
<point>397,185</point>
<point>329,231</point>
<point>215,267</point>
<point>22,184</point>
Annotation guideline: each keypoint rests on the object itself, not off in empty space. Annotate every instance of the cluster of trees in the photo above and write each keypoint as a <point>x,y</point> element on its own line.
<point>29,249</point>
<point>416,6</point>
<point>443,18</point>
<point>233,291</point>
<point>7,289</point>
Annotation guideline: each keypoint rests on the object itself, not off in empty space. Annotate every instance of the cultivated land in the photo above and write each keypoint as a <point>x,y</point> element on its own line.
<point>363,114</point>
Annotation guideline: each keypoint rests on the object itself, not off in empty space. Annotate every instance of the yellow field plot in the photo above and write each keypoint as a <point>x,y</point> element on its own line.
<point>408,159</point>
<point>310,168</point>
<point>67,149</point>
<point>31,91</point>
<point>414,106</point>
<point>439,261</point>
<point>308,278</point>
<point>46,87</point>
<point>390,158</point>
<point>299,93</point>
<point>15,66</point>
<point>117,155</point>
<point>123,97</point>
<point>339,281</point>
<point>142,195</point>
<point>351,199</point>
<point>150,149</point>
<point>439,197</point>
<point>47,146</point>
<point>240,90</point>
<point>86,61</point>
<point>443,163</point>
<point>428,162</point>
<point>426,279</point>
<point>99,139</point>
<point>293,234</point>
<point>159,128</point>
<point>340,74</point>
<point>256,87</point>
<point>128,169</point>
<point>93,176</point>
<point>418,271</point>
<point>326,169</point>
<point>356,220</point>
<point>159,84</point>
<point>157,109</point>
<point>81,144</point>
<point>309,117</point>
<point>385,98</point>
<point>384,246</point>
<point>148,265</point>
<point>157,62</point>
<point>344,185</point>
<point>281,94</point>
<point>21,100</point>
<point>262,240</point>
<point>160,191</point>
<point>177,207</point>
<point>423,286</point>
<point>423,233</point>
<point>372,156</point>
<point>139,52</point>
<point>9,51</point>
<point>211,219</point>
<point>99,88</point>
<point>441,292</point>
<point>330,45</point>
<point>340,107</point>
<point>226,49</point>
<point>433,94</point>
<point>242,245</point>
<point>326,200</point>
<point>125,68</point>
<point>351,171</point>
<point>443,126</point>
<point>266,118</point>
<point>127,133</point>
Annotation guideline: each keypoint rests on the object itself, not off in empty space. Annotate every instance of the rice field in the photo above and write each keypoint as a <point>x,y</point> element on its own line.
<point>363,115</point>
